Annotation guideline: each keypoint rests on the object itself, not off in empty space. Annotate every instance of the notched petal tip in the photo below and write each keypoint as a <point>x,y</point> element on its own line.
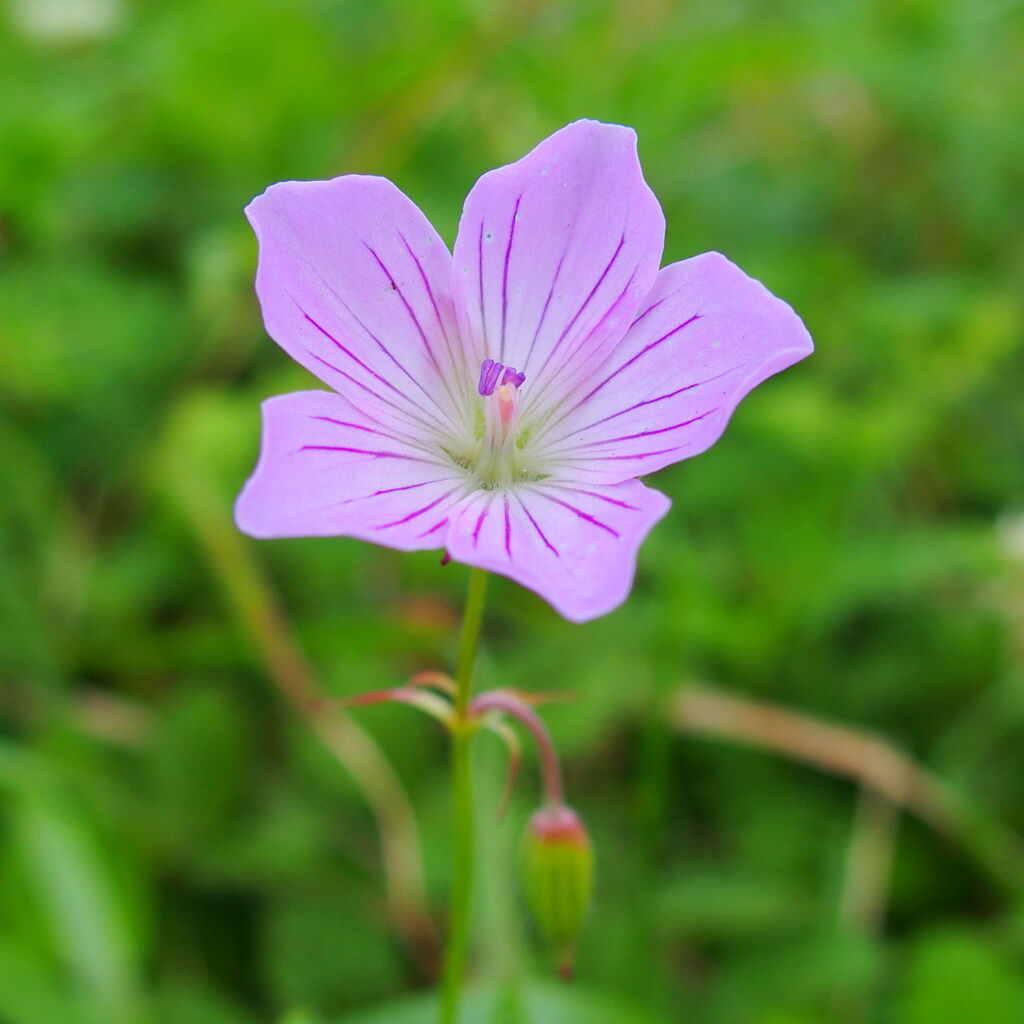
<point>262,205</point>
<point>251,509</point>
<point>281,203</point>
<point>555,252</point>
<point>801,341</point>
<point>592,126</point>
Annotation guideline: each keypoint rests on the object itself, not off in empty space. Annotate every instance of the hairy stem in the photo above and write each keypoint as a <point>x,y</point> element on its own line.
<point>463,840</point>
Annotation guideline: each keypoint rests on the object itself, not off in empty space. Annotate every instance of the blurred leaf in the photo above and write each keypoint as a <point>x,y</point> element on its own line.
<point>959,976</point>
<point>87,352</point>
<point>716,904</point>
<point>800,974</point>
<point>37,543</point>
<point>319,950</point>
<point>300,1017</point>
<point>79,897</point>
<point>532,1004</point>
<point>200,762</point>
<point>32,992</point>
<point>189,1002</point>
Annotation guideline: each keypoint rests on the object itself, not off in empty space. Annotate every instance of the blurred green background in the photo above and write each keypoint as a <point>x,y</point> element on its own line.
<point>178,842</point>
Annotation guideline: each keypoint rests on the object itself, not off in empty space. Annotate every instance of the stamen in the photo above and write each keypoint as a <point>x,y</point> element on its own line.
<point>490,371</point>
<point>491,374</point>
<point>513,377</point>
<point>511,381</point>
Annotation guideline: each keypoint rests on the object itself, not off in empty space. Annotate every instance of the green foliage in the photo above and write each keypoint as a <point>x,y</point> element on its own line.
<point>515,1004</point>
<point>959,976</point>
<point>177,848</point>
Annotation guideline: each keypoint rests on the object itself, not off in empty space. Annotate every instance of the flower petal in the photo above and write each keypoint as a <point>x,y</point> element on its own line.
<point>328,469</point>
<point>554,254</point>
<point>575,545</point>
<point>706,336</point>
<point>355,285</point>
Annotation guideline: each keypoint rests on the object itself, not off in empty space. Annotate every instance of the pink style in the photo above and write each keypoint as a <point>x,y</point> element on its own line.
<point>501,401</point>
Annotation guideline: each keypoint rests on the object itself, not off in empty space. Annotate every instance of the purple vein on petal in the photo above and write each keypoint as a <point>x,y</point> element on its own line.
<point>354,426</point>
<point>373,373</point>
<point>639,455</point>
<point>508,530</point>
<point>544,311</point>
<point>433,300</point>
<point>480,283</point>
<point>540,533</point>
<point>417,513</point>
<point>593,330</point>
<point>348,309</point>
<point>390,355</point>
<point>408,308</point>
<point>586,302</point>
<point>385,490</point>
<point>385,428</point>
<point>586,516</point>
<point>652,401</point>
<point>437,526</point>
<point>359,451</point>
<point>480,522</point>
<point>567,365</point>
<point>504,277</point>
<point>380,344</point>
<point>421,423</point>
<point>330,337</point>
<point>371,430</point>
<point>649,309</point>
<point>629,362</point>
<point>650,433</point>
<point>349,377</point>
<point>444,377</point>
<point>596,494</point>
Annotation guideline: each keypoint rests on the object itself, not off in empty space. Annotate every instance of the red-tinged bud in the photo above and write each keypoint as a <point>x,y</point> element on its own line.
<point>558,869</point>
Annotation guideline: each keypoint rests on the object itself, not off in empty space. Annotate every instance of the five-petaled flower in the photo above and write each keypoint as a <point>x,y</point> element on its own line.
<point>500,402</point>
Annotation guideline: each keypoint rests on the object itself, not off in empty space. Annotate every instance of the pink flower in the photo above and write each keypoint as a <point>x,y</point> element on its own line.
<point>500,404</point>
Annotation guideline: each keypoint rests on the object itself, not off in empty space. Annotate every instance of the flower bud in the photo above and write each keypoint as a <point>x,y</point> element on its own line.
<point>558,870</point>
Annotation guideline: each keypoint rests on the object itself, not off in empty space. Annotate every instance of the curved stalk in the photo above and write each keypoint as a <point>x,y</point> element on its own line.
<point>509,704</point>
<point>868,759</point>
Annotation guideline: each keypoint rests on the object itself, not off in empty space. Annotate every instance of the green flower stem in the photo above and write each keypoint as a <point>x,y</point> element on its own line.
<point>463,839</point>
<point>471,621</point>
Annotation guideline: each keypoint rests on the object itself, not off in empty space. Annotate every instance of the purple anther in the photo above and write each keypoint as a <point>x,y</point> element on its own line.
<point>513,377</point>
<point>490,371</point>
